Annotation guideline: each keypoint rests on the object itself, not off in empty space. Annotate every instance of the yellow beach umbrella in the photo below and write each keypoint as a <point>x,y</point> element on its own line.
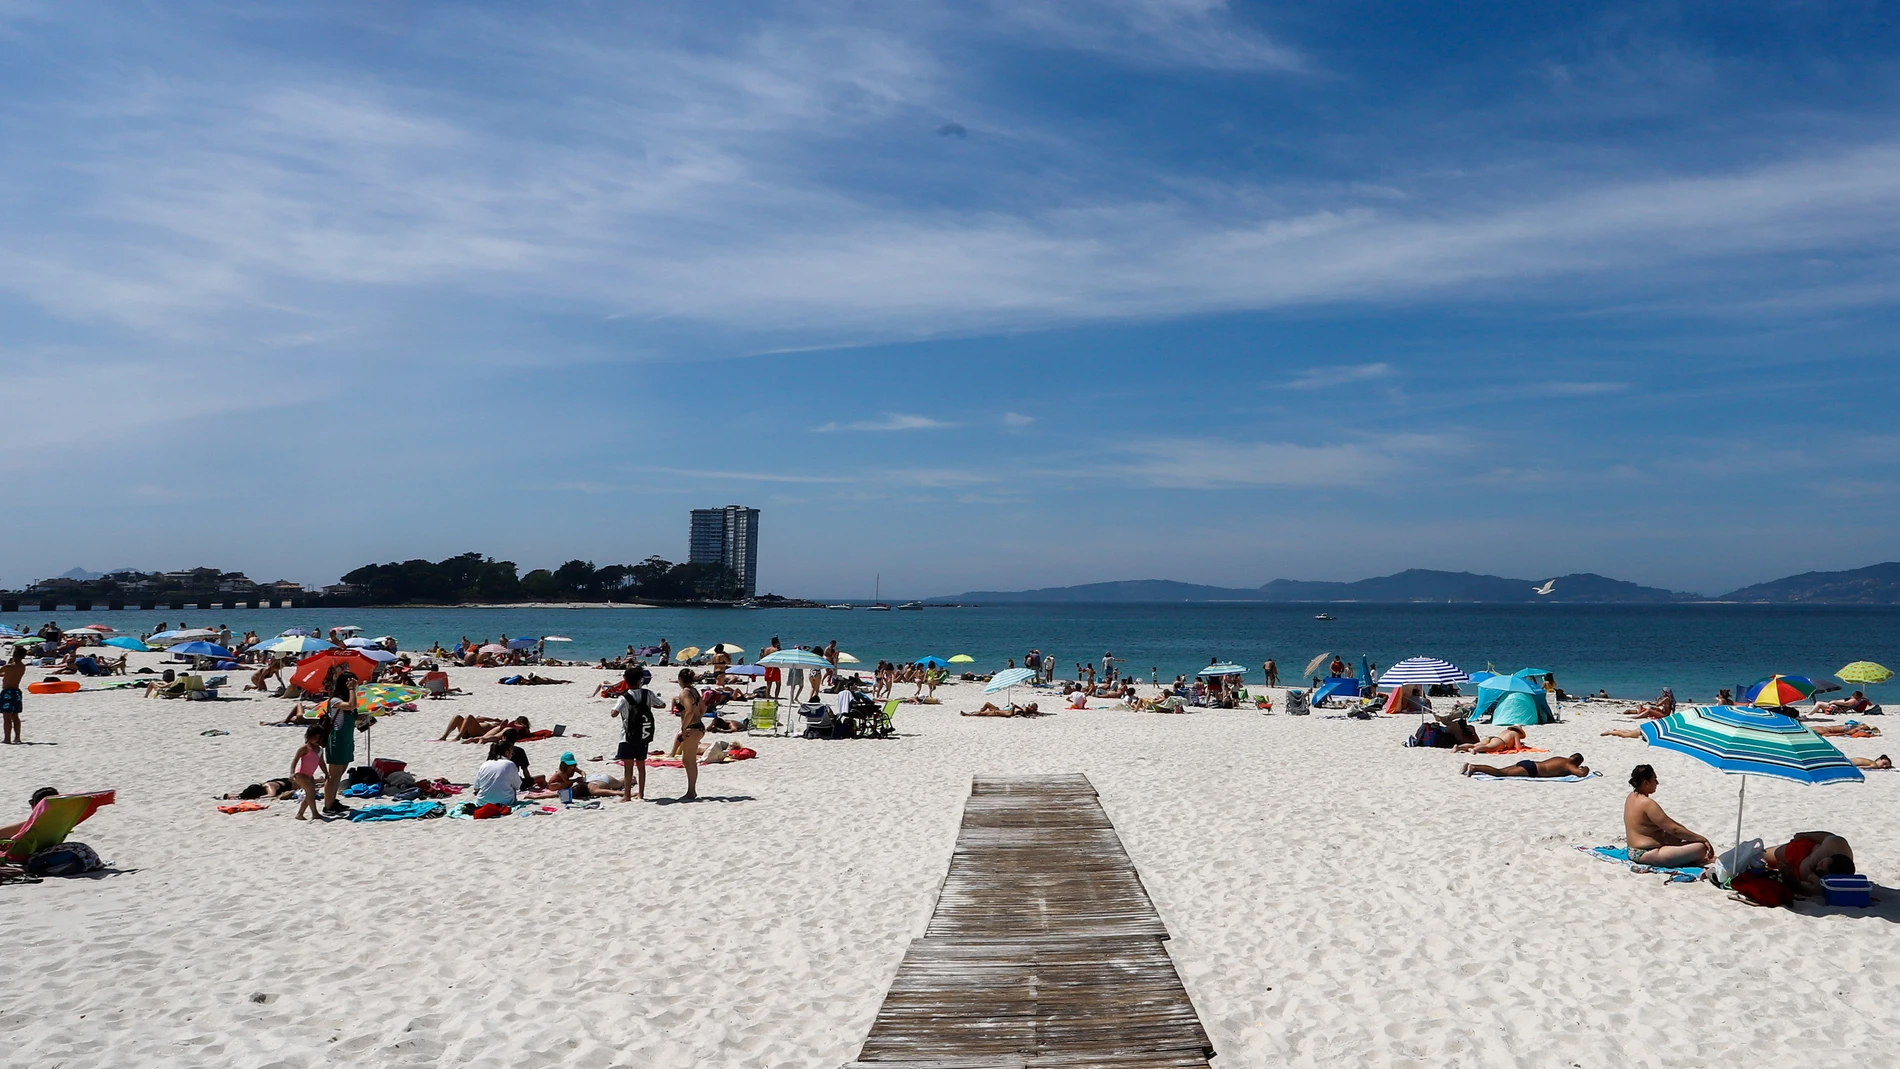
<point>686,654</point>
<point>845,658</point>
<point>726,647</point>
<point>963,658</point>
<point>1864,672</point>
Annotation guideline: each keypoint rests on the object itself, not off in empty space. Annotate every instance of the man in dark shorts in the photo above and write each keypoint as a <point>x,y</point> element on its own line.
<point>11,701</point>
<point>635,710</point>
<point>1550,768</point>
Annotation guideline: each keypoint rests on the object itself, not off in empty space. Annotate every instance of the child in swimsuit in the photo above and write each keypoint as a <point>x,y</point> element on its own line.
<point>303,769</point>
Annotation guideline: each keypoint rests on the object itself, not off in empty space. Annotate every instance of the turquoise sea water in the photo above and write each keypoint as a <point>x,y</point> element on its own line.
<point>1629,650</point>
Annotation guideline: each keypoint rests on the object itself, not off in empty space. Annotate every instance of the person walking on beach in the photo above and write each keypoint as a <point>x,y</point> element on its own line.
<point>1272,671</point>
<point>340,746</point>
<point>831,654</point>
<point>12,704</point>
<point>635,708</point>
<point>692,711</point>
<point>772,675</point>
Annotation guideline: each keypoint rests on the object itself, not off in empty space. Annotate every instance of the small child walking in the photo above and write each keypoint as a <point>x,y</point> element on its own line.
<point>303,769</point>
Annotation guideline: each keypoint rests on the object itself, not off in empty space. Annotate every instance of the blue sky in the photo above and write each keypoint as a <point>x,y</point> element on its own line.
<point>971,295</point>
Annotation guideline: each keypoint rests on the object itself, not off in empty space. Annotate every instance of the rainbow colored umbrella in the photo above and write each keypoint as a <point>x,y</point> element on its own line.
<point>1777,691</point>
<point>1864,672</point>
<point>379,698</point>
<point>1746,741</point>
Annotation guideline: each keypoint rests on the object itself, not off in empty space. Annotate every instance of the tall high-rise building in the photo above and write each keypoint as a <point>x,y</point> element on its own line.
<point>728,536</point>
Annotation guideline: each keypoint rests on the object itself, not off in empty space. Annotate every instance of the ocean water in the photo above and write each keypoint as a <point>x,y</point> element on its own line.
<point>1631,651</point>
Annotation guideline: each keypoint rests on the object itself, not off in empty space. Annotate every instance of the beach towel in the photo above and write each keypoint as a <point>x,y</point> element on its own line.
<point>398,811</point>
<point>1534,779</point>
<point>536,736</point>
<point>1618,855</point>
<point>1520,749</point>
<point>243,807</point>
<point>363,790</point>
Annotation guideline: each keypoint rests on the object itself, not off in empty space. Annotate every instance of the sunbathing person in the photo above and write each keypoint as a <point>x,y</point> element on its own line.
<point>1553,768</point>
<point>532,680</point>
<point>472,728</point>
<point>1856,704</point>
<point>1511,738</point>
<point>1664,705</point>
<point>8,831</point>
<point>1851,729</point>
<point>1809,856</point>
<point>269,790</point>
<point>1883,761</point>
<point>1625,733</point>
<point>1012,709</point>
<point>170,685</point>
<point>1654,838</point>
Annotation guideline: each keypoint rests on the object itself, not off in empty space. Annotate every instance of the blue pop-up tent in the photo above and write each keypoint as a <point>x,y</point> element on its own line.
<point>1340,687</point>
<point>1513,700</point>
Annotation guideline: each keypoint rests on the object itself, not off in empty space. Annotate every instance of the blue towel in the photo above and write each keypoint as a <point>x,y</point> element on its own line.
<point>363,790</point>
<point>1534,779</point>
<point>399,811</point>
<point>1618,855</point>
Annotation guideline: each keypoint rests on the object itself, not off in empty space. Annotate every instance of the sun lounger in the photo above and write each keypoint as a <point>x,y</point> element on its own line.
<point>51,821</point>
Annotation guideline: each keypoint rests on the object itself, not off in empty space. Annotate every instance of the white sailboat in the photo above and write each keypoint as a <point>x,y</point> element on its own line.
<point>877,596</point>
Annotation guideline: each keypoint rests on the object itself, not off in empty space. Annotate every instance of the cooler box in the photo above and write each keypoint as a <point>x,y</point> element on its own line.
<point>1853,890</point>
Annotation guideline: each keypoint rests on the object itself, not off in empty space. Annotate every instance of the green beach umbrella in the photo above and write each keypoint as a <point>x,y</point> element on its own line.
<point>1864,672</point>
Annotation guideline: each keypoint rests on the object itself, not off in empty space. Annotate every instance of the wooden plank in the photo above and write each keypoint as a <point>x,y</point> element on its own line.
<point>1044,950</point>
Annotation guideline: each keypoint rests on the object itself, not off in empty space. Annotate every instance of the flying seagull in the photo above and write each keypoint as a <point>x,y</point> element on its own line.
<point>1549,585</point>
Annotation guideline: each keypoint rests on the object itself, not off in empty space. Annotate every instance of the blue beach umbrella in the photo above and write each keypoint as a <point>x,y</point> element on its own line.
<point>201,649</point>
<point>932,662</point>
<point>794,659</point>
<point>1008,679</point>
<point>1744,741</point>
<point>751,671</point>
<point>1223,670</point>
<point>127,642</point>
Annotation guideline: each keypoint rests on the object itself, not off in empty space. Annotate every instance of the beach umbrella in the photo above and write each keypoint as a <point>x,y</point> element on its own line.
<point>201,649</point>
<point>361,643</point>
<point>1864,672</point>
<point>289,632</point>
<point>296,644</point>
<point>104,629</point>
<point>750,671</point>
<point>1425,671</point>
<point>379,698</point>
<point>1480,677</point>
<point>727,648</point>
<point>932,662</point>
<point>1745,741</point>
<point>1777,691</point>
<point>555,638</point>
<point>127,642</point>
<point>846,658</point>
<point>347,629</point>
<point>1532,673</point>
<point>691,652</point>
<point>1313,665</point>
<point>491,648</point>
<point>168,638</point>
<point>375,653</point>
<point>963,658</point>
<point>1223,670</point>
<point>1008,679</point>
<point>313,670</point>
<point>794,659</point>
<point>522,643</point>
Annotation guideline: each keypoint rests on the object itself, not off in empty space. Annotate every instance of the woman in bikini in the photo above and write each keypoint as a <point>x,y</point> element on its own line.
<point>692,711</point>
<point>1511,738</point>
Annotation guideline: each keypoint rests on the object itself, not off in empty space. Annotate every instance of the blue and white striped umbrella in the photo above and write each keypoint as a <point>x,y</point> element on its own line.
<point>794,659</point>
<point>1428,671</point>
<point>1228,669</point>
<point>1009,677</point>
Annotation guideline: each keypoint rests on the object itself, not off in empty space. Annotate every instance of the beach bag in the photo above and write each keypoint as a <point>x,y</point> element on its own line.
<point>1431,736</point>
<point>1737,859</point>
<point>1760,889</point>
<point>362,774</point>
<point>65,859</point>
<point>398,780</point>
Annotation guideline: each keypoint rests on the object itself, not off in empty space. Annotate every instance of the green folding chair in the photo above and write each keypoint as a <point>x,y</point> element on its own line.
<point>887,719</point>
<point>764,717</point>
<point>51,821</point>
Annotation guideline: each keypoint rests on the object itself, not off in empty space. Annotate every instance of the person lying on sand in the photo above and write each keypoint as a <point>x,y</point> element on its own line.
<point>1883,761</point>
<point>1663,706</point>
<point>1553,768</point>
<point>531,680</point>
<point>1655,839</point>
<point>1624,733</point>
<point>570,777</point>
<point>268,790</point>
<point>1012,709</point>
<point>1511,738</point>
<point>1850,730</point>
<point>472,728</point>
<point>1809,856</point>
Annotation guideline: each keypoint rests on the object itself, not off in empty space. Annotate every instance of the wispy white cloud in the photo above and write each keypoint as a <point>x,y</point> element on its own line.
<point>1205,463</point>
<point>1017,419</point>
<point>1573,389</point>
<point>896,421</point>
<point>1315,378</point>
<point>1195,33</point>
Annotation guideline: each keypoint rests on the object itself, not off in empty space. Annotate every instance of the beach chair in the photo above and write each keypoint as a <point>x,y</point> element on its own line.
<point>436,683</point>
<point>764,717</point>
<point>886,724</point>
<point>51,821</point>
<point>820,723</point>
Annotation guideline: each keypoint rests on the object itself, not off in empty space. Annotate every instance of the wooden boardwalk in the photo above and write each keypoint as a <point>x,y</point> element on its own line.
<point>1044,950</point>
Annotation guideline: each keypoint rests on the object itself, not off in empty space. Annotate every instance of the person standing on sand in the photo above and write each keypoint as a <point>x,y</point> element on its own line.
<point>303,770</point>
<point>692,713</point>
<point>666,653</point>
<point>340,746</point>
<point>1273,672</point>
<point>831,654</point>
<point>12,704</point>
<point>635,708</point>
<point>772,675</point>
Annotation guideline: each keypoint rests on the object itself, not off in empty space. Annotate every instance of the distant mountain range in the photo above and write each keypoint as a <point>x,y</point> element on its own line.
<point>1877,585</point>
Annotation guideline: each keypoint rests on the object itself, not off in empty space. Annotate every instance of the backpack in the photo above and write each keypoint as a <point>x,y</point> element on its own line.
<point>1433,736</point>
<point>362,774</point>
<point>1760,889</point>
<point>65,859</point>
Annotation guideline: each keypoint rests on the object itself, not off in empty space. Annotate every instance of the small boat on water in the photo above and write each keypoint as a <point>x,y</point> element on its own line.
<point>911,606</point>
<point>841,605</point>
<point>877,597</point>
<point>1324,616</point>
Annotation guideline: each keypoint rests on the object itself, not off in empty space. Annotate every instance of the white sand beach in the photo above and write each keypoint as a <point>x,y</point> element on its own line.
<point>1334,898</point>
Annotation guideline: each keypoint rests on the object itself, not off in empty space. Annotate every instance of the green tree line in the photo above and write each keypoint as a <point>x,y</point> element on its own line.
<point>473,577</point>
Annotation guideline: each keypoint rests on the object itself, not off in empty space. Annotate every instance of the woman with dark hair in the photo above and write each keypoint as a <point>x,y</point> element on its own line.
<point>1655,839</point>
<point>692,712</point>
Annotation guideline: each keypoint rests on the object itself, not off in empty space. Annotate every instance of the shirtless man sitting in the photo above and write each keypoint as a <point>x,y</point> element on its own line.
<point>1809,856</point>
<point>1655,839</point>
<point>1511,738</point>
<point>1553,768</point>
<point>1856,704</point>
